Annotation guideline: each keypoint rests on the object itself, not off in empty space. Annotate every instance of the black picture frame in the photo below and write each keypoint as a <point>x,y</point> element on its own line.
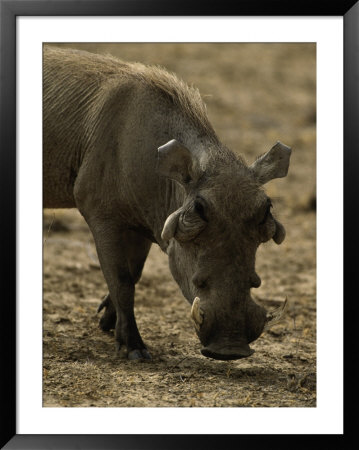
<point>9,10</point>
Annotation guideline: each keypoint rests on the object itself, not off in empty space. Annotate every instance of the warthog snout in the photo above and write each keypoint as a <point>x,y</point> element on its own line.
<point>222,341</point>
<point>227,352</point>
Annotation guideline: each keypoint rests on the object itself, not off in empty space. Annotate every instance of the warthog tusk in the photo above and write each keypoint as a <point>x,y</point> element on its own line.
<point>197,313</point>
<point>274,316</point>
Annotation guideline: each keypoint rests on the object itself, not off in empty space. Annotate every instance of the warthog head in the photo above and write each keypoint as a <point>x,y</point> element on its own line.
<point>213,238</point>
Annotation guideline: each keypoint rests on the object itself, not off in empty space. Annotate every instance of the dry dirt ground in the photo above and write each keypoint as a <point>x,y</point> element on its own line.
<point>256,94</point>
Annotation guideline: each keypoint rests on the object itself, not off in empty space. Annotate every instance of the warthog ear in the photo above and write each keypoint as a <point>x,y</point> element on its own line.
<point>175,161</point>
<point>273,164</point>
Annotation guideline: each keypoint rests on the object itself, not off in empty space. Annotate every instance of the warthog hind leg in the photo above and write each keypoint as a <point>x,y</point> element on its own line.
<point>108,319</point>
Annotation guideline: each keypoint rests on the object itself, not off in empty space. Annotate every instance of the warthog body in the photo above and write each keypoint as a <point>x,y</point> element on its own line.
<point>131,147</point>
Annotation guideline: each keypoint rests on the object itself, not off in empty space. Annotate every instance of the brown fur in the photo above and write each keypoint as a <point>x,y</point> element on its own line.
<point>106,69</point>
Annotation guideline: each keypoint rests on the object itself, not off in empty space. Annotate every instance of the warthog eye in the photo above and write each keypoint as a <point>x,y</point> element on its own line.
<point>199,206</point>
<point>192,221</point>
<point>266,214</point>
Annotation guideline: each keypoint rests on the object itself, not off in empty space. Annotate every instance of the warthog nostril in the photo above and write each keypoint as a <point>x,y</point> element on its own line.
<point>255,281</point>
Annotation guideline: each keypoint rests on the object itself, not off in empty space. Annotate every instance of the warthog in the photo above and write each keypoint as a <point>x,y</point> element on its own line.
<point>132,148</point>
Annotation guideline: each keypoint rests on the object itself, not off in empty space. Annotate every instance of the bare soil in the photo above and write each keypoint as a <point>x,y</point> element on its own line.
<point>256,94</point>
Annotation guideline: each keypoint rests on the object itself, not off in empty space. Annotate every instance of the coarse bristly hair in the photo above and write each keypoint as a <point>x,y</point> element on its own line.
<point>98,68</point>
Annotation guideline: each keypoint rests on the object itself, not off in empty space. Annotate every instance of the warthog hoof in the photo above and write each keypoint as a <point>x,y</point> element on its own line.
<point>133,354</point>
<point>139,354</point>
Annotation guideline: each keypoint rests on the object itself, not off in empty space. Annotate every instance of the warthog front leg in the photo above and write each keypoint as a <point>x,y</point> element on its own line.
<point>121,258</point>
